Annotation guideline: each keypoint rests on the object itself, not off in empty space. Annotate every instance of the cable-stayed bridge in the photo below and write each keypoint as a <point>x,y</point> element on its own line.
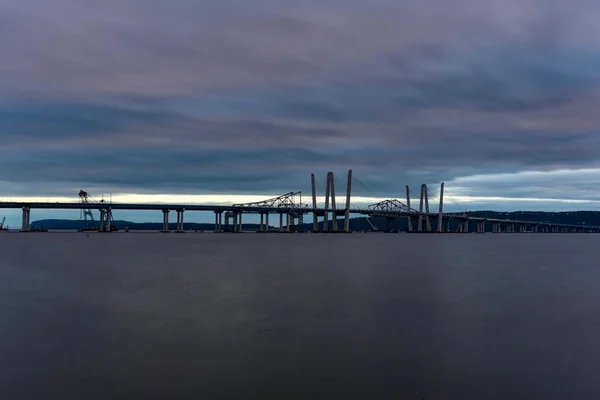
<point>426,212</point>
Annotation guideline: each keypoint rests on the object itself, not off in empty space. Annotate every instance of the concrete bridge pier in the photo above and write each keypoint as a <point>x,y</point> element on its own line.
<point>480,226</point>
<point>280,222</point>
<point>512,228</point>
<point>26,219</point>
<point>262,222</point>
<point>217,217</point>
<point>240,223</point>
<point>235,224</point>
<point>409,227</point>
<point>165,227</point>
<point>287,222</point>
<point>466,226</point>
<point>102,222</point>
<point>180,220</point>
<point>267,222</point>
<point>108,220</point>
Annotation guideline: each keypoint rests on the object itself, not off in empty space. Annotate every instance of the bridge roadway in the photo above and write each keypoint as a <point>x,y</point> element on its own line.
<point>237,210</point>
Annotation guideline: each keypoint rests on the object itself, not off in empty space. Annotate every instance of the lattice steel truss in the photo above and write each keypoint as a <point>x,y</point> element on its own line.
<point>288,200</point>
<point>390,207</point>
<point>290,203</point>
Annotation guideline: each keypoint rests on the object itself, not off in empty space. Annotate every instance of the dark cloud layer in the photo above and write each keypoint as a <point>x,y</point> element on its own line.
<point>227,97</point>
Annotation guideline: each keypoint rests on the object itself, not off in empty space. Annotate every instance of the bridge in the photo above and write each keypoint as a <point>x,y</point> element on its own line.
<point>291,209</point>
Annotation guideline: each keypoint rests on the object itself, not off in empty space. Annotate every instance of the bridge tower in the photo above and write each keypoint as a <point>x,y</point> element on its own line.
<point>314,203</point>
<point>409,218</point>
<point>424,199</point>
<point>347,211</point>
<point>440,225</point>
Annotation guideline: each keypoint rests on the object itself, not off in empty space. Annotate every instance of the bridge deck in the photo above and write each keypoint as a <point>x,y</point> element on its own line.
<point>252,209</point>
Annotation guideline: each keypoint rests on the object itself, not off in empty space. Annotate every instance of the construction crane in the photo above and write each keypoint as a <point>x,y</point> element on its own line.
<point>89,223</point>
<point>2,227</point>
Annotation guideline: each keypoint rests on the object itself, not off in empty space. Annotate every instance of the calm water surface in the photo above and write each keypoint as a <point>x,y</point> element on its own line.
<point>144,315</point>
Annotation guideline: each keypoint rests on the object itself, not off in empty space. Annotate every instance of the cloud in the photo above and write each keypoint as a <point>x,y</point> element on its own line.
<point>226,97</point>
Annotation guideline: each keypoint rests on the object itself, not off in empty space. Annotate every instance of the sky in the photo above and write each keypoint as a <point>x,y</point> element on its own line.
<point>218,100</point>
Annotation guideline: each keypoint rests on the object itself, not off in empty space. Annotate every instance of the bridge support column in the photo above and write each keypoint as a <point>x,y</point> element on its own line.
<point>314,204</point>
<point>347,211</point>
<point>334,221</point>
<point>420,222</point>
<point>217,228</point>
<point>427,220</point>
<point>240,223</point>
<point>440,224</point>
<point>326,213</point>
<point>466,226</point>
<point>280,222</point>
<point>179,227</point>
<point>165,227</point>
<point>102,222</point>
<point>287,222</point>
<point>109,220</point>
<point>262,222</point>
<point>409,226</point>
<point>512,227</point>
<point>535,228</point>
<point>267,222</point>
<point>409,218</point>
<point>26,219</point>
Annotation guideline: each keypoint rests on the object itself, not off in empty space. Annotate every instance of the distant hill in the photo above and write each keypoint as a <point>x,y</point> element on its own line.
<point>589,218</point>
